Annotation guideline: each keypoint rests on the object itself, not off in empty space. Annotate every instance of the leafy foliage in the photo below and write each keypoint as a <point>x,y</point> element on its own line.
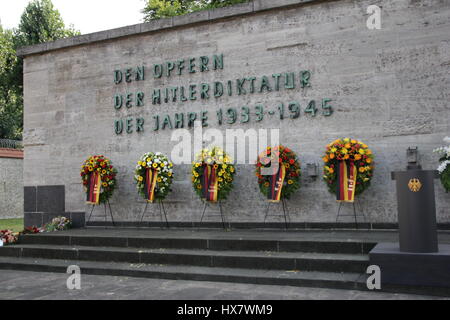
<point>444,165</point>
<point>40,22</point>
<point>157,9</point>
<point>445,178</point>
<point>11,102</point>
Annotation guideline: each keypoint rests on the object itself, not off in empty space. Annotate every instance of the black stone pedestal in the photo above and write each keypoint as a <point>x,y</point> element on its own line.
<point>416,210</point>
<point>415,269</point>
<point>43,203</point>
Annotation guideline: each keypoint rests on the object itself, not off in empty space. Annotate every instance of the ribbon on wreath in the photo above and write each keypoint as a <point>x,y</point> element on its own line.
<point>276,184</point>
<point>151,176</point>
<point>94,188</point>
<point>209,183</point>
<point>346,175</point>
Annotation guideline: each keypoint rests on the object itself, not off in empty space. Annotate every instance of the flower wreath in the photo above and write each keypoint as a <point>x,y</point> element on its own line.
<point>212,174</point>
<point>287,174</point>
<point>8,236</point>
<point>351,151</point>
<point>154,176</point>
<point>444,166</point>
<point>57,224</point>
<point>99,179</point>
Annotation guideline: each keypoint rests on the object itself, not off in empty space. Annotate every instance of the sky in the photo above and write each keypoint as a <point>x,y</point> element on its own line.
<point>86,15</point>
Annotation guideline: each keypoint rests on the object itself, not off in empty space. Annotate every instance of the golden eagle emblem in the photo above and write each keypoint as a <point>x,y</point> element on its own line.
<point>414,185</point>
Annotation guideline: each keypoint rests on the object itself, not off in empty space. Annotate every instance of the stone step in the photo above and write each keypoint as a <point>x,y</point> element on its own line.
<point>243,225</point>
<point>206,258</point>
<point>188,240</point>
<point>361,225</point>
<point>349,281</point>
<point>195,273</point>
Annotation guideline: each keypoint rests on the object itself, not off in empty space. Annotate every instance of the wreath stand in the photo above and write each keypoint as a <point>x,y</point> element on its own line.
<point>161,211</point>
<point>222,214</point>
<point>285,213</point>
<point>355,215</point>
<point>106,215</point>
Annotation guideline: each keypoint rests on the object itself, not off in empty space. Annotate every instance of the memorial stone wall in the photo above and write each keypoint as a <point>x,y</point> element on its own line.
<point>126,91</point>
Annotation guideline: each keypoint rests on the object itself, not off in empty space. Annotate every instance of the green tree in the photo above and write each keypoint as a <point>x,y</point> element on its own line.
<point>11,102</point>
<point>156,9</point>
<point>40,22</point>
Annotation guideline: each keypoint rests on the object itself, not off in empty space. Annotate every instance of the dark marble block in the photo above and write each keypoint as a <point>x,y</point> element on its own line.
<point>51,199</point>
<point>417,269</point>
<point>29,198</point>
<point>77,218</point>
<point>32,219</point>
<point>38,219</point>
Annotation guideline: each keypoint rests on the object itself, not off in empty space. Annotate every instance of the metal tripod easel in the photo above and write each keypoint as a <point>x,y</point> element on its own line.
<point>161,211</point>
<point>222,214</point>
<point>285,213</point>
<point>110,212</point>
<point>354,213</point>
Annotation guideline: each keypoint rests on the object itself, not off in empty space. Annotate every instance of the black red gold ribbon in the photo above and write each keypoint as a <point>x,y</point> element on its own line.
<point>93,188</point>
<point>346,175</point>
<point>276,184</point>
<point>209,183</point>
<point>151,176</point>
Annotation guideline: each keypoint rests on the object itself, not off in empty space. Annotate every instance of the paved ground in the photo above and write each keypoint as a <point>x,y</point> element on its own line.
<point>37,286</point>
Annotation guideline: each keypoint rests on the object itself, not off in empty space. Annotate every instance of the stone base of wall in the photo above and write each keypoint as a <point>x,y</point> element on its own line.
<point>43,203</point>
<point>39,219</point>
